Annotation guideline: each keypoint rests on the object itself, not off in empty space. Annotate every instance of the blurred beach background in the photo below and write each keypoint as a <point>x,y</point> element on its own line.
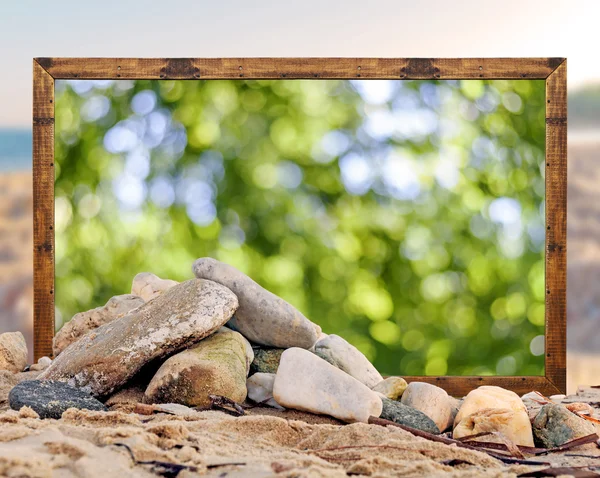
<point>121,38</point>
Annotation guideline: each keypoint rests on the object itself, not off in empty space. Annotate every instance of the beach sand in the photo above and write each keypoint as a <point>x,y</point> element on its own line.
<point>16,255</point>
<point>90,444</point>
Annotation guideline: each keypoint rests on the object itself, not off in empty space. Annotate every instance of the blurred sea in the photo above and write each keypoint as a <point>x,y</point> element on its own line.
<point>15,149</point>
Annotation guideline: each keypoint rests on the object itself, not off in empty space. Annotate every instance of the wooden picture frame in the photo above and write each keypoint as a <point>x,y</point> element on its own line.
<point>552,70</point>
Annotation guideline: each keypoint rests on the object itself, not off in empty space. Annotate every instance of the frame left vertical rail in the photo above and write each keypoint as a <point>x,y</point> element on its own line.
<point>43,211</point>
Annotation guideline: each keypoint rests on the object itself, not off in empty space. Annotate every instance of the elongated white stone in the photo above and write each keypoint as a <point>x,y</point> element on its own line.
<point>307,382</point>
<point>347,357</point>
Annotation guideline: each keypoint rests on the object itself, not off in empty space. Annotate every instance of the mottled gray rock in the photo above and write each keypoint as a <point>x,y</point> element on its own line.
<point>554,425</point>
<point>13,352</point>
<point>391,387</point>
<point>50,398</point>
<point>262,317</point>
<point>148,286</point>
<point>432,401</point>
<point>215,366</point>
<point>398,413</point>
<point>341,354</point>
<point>260,389</point>
<point>266,360</point>
<point>83,322</point>
<point>307,382</point>
<point>108,357</point>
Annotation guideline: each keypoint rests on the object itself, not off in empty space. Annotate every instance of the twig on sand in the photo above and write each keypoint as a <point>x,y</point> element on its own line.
<point>223,404</point>
<point>450,441</point>
<point>258,404</point>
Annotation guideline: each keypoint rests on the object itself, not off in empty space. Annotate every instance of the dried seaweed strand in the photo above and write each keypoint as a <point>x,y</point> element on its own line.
<point>571,444</point>
<point>167,468</point>
<point>587,417</point>
<point>501,446</point>
<point>349,447</point>
<point>472,437</point>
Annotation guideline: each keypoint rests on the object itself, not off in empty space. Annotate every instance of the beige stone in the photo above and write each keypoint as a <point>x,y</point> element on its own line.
<point>306,382</point>
<point>391,387</point>
<point>431,400</point>
<point>512,424</point>
<point>13,352</point>
<point>108,357</point>
<point>215,366</point>
<point>83,322</point>
<point>489,396</point>
<point>148,286</point>
<point>262,317</point>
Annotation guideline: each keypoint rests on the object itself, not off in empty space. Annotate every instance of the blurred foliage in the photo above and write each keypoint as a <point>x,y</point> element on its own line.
<point>405,216</point>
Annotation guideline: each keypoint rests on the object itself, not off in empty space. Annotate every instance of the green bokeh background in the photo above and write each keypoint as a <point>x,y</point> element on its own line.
<point>405,216</point>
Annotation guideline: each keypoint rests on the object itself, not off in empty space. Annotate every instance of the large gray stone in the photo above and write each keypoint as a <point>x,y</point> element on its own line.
<point>83,322</point>
<point>554,425</point>
<point>306,382</point>
<point>262,317</point>
<point>347,357</point>
<point>106,358</point>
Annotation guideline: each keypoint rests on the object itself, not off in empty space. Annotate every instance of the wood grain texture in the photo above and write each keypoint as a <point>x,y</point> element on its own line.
<point>556,227</point>
<point>551,69</point>
<point>43,212</point>
<point>459,386</point>
<point>309,68</point>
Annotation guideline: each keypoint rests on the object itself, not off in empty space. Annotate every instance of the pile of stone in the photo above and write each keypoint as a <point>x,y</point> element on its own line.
<point>221,334</point>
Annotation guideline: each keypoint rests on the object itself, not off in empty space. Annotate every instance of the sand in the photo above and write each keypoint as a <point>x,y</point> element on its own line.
<point>264,443</point>
<point>83,443</point>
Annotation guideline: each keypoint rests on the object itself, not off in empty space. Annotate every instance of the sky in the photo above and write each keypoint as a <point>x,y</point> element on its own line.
<point>236,28</point>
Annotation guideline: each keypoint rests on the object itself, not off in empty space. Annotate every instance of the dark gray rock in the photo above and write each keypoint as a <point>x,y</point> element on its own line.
<point>50,398</point>
<point>554,425</point>
<point>266,360</point>
<point>407,416</point>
